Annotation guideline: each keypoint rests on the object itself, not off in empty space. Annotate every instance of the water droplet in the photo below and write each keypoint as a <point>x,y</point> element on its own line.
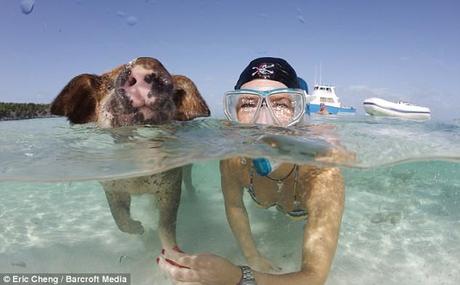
<point>131,20</point>
<point>301,19</point>
<point>121,14</point>
<point>27,6</point>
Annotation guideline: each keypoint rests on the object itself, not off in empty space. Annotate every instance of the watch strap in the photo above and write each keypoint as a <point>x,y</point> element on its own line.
<point>247,277</point>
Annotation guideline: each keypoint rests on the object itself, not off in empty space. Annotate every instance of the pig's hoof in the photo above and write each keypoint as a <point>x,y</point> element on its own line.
<point>132,227</point>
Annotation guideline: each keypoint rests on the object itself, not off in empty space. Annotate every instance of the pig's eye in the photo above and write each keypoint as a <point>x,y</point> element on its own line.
<point>132,81</point>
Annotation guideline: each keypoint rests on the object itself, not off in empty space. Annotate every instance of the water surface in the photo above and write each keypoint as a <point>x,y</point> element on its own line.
<point>401,223</point>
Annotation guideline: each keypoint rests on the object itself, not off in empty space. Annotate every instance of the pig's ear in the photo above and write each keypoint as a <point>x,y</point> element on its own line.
<point>189,103</point>
<point>78,100</point>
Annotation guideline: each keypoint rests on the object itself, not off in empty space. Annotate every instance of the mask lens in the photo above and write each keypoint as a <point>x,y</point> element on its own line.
<point>242,106</point>
<point>286,106</point>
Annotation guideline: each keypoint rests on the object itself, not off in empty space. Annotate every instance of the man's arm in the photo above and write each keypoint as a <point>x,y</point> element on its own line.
<point>325,207</point>
<point>236,212</point>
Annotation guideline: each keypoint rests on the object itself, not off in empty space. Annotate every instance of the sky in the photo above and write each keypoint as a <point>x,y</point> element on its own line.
<point>406,50</point>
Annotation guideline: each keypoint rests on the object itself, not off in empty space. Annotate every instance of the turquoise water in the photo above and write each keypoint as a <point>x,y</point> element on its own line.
<point>401,223</point>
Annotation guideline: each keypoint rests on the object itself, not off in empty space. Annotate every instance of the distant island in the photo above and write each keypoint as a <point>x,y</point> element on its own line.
<point>20,111</point>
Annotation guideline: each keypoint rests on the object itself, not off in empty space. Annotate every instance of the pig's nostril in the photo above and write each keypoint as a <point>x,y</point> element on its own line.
<point>132,81</point>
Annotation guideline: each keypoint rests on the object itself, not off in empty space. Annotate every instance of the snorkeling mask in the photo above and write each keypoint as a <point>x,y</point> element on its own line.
<point>282,107</point>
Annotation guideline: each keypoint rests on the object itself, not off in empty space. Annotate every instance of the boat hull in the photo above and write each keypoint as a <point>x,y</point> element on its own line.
<point>380,107</point>
<point>314,108</point>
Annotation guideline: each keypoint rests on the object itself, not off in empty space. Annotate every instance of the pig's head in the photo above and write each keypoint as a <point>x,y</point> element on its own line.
<point>140,92</point>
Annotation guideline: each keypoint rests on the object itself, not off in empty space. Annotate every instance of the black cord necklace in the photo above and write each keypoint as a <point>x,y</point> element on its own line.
<point>280,181</point>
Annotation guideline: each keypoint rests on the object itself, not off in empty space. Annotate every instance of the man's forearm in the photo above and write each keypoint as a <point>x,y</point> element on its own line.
<point>239,223</point>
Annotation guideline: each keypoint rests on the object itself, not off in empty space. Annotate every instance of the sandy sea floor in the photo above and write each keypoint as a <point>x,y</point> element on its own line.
<point>401,226</point>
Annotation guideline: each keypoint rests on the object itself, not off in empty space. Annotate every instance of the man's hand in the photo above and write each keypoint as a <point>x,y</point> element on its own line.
<point>200,269</point>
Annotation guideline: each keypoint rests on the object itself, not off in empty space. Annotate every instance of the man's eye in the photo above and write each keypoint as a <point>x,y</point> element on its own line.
<point>248,105</point>
<point>280,105</point>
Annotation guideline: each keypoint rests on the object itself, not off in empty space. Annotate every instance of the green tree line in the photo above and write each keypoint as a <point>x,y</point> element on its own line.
<point>17,111</point>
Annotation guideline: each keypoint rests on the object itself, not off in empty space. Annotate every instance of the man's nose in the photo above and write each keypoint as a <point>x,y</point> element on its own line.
<point>264,116</point>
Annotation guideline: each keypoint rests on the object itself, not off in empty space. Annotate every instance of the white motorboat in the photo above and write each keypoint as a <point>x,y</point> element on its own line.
<point>380,107</point>
<point>325,94</point>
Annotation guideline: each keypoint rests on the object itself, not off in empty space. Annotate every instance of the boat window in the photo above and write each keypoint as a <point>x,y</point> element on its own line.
<point>326,100</point>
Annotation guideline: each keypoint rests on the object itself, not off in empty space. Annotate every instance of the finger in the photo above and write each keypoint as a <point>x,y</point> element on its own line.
<point>173,253</point>
<point>165,269</point>
<point>189,261</point>
<point>174,263</point>
<point>164,266</point>
<point>179,258</point>
<point>178,273</point>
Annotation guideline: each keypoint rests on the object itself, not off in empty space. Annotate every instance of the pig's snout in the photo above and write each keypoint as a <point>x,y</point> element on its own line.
<point>138,87</point>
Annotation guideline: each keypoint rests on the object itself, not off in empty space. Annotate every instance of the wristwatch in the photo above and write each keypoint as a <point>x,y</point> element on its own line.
<point>248,277</point>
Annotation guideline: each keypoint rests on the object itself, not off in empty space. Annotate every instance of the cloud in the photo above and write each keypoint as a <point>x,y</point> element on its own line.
<point>372,91</point>
<point>361,92</point>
